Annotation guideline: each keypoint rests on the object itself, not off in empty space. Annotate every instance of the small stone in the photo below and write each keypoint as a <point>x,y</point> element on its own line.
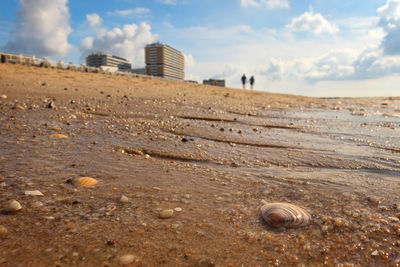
<point>127,259</point>
<point>178,209</point>
<point>339,222</point>
<point>19,107</point>
<point>165,214</point>
<point>58,136</point>
<point>147,156</point>
<point>44,84</point>
<point>187,139</point>
<point>374,199</point>
<point>375,253</point>
<point>33,193</point>
<point>393,219</point>
<point>3,97</point>
<point>51,105</point>
<point>123,199</point>
<point>206,263</point>
<point>13,206</point>
<point>3,231</point>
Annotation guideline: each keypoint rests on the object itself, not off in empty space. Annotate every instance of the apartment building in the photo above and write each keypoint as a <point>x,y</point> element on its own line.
<point>164,61</point>
<point>99,59</point>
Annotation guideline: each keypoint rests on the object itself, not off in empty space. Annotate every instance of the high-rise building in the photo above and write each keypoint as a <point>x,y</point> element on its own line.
<point>164,61</point>
<point>99,59</point>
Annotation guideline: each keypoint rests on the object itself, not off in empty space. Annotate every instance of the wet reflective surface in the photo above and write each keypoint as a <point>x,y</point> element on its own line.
<point>213,152</point>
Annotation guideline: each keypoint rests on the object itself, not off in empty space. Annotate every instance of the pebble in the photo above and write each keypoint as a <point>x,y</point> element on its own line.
<point>127,259</point>
<point>3,231</point>
<point>19,107</point>
<point>375,253</point>
<point>206,263</point>
<point>51,105</point>
<point>187,139</point>
<point>339,222</point>
<point>178,209</point>
<point>58,136</point>
<point>33,193</point>
<point>3,97</point>
<point>165,214</point>
<point>123,199</point>
<point>13,205</point>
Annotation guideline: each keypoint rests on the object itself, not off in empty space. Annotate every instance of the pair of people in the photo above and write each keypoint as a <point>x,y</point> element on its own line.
<point>244,79</point>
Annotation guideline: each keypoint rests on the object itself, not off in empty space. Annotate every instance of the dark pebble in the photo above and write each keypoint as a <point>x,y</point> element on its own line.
<point>187,139</point>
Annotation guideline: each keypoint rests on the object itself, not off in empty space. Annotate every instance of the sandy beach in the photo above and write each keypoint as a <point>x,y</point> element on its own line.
<point>209,154</point>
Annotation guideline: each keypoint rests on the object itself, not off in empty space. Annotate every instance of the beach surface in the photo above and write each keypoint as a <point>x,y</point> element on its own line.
<point>182,171</point>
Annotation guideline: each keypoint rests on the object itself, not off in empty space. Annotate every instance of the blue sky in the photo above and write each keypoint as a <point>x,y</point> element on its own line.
<point>316,47</point>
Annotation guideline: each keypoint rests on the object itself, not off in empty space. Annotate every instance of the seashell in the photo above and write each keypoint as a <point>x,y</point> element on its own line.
<point>58,136</point>
<point>123,199</point>
<point>127,259</point>
<point>85,182</point>
<point>13,206</point>
<point>3,231</point>
<point>284,215</point>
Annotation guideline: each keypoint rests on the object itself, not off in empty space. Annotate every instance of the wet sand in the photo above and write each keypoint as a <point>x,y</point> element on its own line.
<point>337,158</point>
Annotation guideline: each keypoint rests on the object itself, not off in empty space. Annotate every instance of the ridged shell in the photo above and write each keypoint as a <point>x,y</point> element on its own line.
<point>284,215</point>
<point>85,182</point>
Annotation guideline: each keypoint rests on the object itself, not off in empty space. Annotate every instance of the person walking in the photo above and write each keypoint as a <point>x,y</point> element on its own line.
<point>244,81</point>
<point>252,80</point>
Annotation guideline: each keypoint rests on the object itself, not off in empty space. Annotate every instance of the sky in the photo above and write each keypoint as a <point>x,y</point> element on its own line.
<point>324,48</point>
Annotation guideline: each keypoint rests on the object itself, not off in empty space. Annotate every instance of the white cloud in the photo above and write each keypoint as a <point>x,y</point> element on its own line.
<point>189,61</point>
<point>42,28</point>
<point>312,22</point>
<point>389,15</point>
<point>135,13</point>
<point>127,42</point>
<point>93,20</point>
<point>270,4</point>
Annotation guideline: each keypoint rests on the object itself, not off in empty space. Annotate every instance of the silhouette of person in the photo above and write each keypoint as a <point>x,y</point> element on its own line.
<point>244,81</point>
<point>252,80</point>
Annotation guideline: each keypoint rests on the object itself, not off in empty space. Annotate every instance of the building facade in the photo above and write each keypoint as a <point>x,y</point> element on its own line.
<point>99,59</point>
<point>164,61</point>
<point>214,82</point>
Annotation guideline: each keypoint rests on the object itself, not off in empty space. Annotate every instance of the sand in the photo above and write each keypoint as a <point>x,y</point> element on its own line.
<point>209,154</point>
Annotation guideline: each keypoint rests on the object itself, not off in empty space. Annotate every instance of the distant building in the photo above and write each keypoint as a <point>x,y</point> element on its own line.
<point>139,71</point>
<point>214,82</point>
<point>99,59</point>
<point>164,61</point>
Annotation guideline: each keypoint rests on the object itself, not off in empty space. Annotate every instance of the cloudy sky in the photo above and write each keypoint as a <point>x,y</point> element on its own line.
<point>307,47</point>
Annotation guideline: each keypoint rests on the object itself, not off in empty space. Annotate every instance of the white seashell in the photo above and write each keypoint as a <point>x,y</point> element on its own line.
<point>13,205</point>
<point>123,199</point>
<point>284,215</point>
<point>127,259</point>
